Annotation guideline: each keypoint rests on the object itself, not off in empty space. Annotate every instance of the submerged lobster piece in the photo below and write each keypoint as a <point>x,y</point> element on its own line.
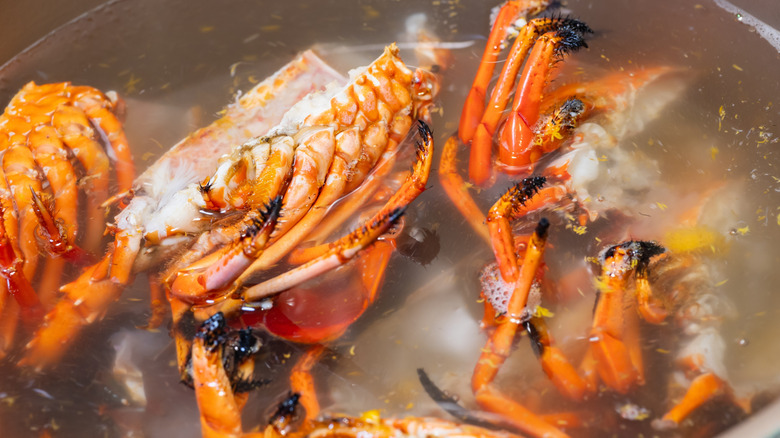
<point>353,144</point>
<point>55,139</point>
<point>639,281</point>
<point>544,132</point>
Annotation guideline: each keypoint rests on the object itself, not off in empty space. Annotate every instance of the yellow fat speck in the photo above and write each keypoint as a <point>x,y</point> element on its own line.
<point>721,283</point>
<point>409,406</point>
<point>661,206</point>
<point>691,239</point>
<point>744,230</point>
<point>371,416</point>
<point>270,28</point>
<point>713,152</point>
<point>352,350</point>
<point>148,156</point>
<point>736,67</point>
<point>130,85</point>
<point>721,116</point>
<point>206,29</point>
<point>542,312</point>
<point>579,229</point>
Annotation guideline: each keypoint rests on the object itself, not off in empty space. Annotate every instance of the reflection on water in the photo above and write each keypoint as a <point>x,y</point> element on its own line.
<point>177,65</point>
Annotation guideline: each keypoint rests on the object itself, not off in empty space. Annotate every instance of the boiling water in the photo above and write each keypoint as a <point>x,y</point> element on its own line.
<point>177,64</point>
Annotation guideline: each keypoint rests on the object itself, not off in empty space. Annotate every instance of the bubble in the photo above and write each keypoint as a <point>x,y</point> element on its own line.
<point>495,290</point>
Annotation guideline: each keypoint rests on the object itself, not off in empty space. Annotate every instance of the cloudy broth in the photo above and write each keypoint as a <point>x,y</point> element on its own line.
<point>177,64</point>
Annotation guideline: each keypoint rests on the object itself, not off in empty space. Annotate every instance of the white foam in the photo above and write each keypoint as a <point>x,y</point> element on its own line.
<point>767,32</point>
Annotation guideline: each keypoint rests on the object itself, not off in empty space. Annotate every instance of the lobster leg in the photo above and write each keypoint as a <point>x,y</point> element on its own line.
<point>342,250</point>
<point>17,283</point>
<point>457,189</point>
<point>58,223</point>
<point>50,155</point>
<point>651,308</point>
<point>474,107</point>
<point>310,166</point>
<point>157,303</point>
<point>18,166</point>
<point>59,239</point>
<point>74,128</point>
<point>11,269</point>
<point>558,32</point>
<point>302,382</point>
<point>701,360</point>
<point>85,300</point>
<point>499,347</point>
<point>517,134</point>
<point>101,109</point>
<point>555,365</point>
<point>220,411</point>
<point>614,335</point>
<point>702,389</point>
<point>503,211</point>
